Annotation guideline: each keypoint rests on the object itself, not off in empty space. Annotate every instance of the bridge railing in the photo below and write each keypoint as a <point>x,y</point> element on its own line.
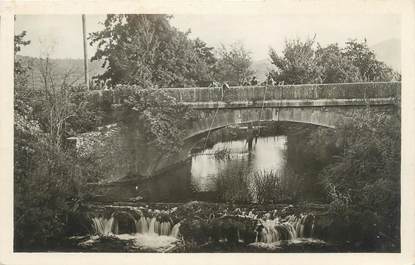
<point>289,92</point>
<point>259,93</point>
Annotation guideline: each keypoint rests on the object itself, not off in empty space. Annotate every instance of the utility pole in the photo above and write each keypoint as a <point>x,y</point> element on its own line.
<point>85,52</point>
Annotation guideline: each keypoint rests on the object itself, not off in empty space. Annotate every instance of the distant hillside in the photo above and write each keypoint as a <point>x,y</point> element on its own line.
<point>389,51</point>
<point>73,69</point>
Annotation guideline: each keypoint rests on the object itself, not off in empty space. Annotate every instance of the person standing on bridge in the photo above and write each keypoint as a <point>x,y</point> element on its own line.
<point>254,81</point>
<point>270,81</point>
<point>225,90</point>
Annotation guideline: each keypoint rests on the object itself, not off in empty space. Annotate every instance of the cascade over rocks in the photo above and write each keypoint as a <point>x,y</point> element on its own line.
<point>196,224</point>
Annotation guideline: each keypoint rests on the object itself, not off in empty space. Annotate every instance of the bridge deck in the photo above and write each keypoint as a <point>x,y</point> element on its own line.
<point>361,91</point>
<point>299,103</point>
<point>289,92</point>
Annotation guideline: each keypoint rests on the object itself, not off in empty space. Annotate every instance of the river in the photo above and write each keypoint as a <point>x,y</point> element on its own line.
<point>266,178</point>
<point>268,168</point>
<point>266,154</point>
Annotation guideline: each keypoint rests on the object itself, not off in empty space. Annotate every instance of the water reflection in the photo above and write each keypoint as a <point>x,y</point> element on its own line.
<point>267,169</point>
<point>267,154</point>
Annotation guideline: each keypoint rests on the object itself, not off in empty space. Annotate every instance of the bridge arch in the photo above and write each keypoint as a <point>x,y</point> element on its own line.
<point>215,120</point>
<point>319,104</point>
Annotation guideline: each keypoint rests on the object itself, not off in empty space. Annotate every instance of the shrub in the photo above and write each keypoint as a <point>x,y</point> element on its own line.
<point>364,182</point>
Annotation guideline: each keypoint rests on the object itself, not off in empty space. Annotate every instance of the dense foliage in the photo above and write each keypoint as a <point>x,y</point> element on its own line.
<point>297,65</point>
<point>301,62</point>
<point>146,50</point>
<point>234,65</point>
<point>309,150</point>
<point>47,185</point>
<point>363,184</point>
<point>47,177</point>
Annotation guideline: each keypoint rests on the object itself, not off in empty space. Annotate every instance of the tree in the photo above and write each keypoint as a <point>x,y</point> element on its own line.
<point>204,67</point>
<point>335,66</point>
<point>146,50</point>
<point>20,70</point>
<point>233,65</point>
<point>297,65</point>
<point>365,60</point>
<point>19,42</point>
<point>301,63</point>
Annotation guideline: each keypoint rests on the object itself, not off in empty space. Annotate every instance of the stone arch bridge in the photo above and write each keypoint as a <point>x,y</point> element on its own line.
<point>319,104</point>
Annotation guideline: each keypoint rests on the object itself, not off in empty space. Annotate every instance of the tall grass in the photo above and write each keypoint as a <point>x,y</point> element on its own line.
<point>261,187</point>
<point>267,186</point>
<point>233,187</point>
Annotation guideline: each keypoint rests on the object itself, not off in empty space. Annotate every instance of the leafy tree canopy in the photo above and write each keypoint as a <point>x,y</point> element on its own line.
<point>297,65</point>
<point>301,62</point>
<point>146,50</point>
<point>234,64</point>
<point>20,70</point>
<point>334,67</point>
<point>364,59</point>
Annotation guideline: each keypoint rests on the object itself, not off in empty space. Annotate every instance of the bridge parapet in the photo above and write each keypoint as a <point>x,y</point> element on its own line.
<point>289,92</point>
<point>372,90</point>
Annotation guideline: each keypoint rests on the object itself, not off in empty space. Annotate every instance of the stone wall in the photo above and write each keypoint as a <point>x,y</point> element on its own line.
<point>374,90</point>
<point>289,92</point>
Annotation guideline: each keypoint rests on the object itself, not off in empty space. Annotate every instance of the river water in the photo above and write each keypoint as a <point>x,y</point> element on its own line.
<point>269,168</point>
<point>264,176</point>
<point>266,154</point>
<point>234,194</point>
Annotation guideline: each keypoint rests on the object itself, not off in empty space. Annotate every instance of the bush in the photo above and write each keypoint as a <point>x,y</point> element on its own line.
<point>47,182</point>
<point>364,182</point>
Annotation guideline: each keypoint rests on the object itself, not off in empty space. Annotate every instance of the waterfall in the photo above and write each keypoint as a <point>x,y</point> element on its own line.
<point>142,225</point>
<point>175,230</point>
<point>269,234</point>
<point>156,227</point>
<point>165,228</point>
<point>291,228</point>
<point>153,226</point>
<point>103,226</point>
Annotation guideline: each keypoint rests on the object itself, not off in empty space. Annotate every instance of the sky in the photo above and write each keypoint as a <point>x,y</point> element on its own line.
<point>257,33</point>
